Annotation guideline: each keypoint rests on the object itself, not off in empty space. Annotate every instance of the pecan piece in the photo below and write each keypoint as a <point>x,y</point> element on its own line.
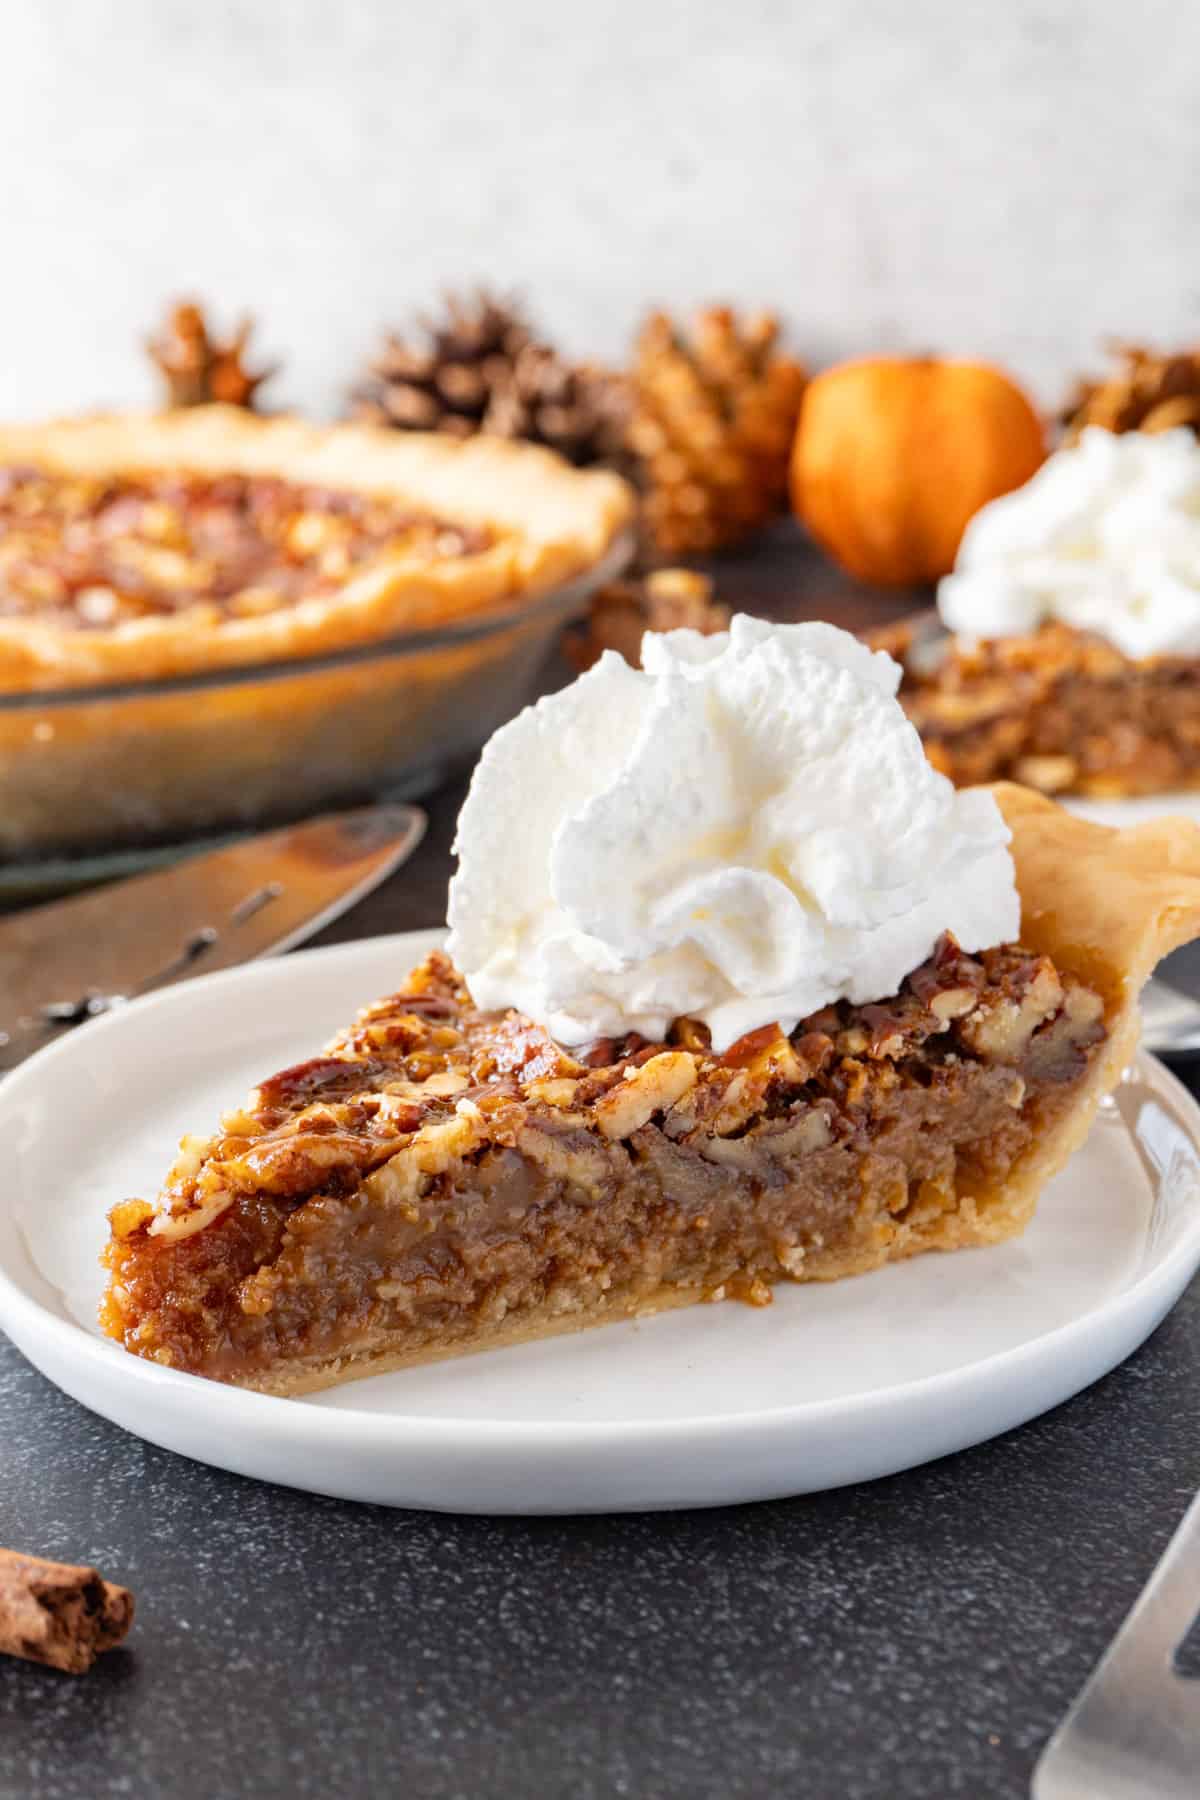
<point>653,1087</point>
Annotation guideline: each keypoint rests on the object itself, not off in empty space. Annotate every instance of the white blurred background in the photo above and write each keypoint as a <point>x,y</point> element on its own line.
<point>1011,178</point>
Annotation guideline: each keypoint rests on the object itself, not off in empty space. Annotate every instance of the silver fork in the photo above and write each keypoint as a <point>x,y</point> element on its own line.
<point>1134,1732</point>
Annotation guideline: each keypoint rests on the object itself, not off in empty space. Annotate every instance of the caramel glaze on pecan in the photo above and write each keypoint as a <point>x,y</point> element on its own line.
<point>89,552</point>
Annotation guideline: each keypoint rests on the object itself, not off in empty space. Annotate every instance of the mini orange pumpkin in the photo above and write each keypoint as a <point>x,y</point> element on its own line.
<point>894,455</point>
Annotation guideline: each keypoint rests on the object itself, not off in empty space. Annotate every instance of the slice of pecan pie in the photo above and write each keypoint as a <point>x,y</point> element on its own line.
<point>443,1180</point>
<point>1063,711</point>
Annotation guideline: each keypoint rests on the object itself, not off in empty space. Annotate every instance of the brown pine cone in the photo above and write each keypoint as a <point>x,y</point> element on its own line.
<point>481,369</point>
<point>445,383</point>
<point>197,368</point>
<point>580,410</point>
<point>715,413</point>
<point>1146,391</point>
<point>665,600</point>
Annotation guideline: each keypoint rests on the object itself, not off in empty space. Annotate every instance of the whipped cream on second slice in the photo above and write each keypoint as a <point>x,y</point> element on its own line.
<point>741,833</point>
<point>1105,537</point>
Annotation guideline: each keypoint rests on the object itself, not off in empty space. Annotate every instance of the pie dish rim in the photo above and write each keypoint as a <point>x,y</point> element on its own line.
<point>552,522</point>
<point>562,600</point>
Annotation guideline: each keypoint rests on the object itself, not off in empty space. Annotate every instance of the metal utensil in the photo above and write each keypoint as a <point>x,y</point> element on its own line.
<point>63,964</point>
<point>1171,1005</point>
<point>1134,1732</point>
<point>1170,1023</point>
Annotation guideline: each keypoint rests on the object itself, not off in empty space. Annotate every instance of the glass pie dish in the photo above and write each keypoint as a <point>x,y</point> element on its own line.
<point>141,763</point>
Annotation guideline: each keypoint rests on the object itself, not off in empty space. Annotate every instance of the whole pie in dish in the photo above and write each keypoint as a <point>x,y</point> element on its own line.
<point>1063,711</point>
<point>134,547</point>
<point>443,1180</point>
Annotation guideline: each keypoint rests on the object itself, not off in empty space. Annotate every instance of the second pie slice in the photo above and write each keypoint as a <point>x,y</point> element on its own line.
<point>1074,608</point>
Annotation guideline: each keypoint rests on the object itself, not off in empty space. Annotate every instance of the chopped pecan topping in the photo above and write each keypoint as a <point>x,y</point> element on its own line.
<point>424,1072</point>
<point>653,1087</point>
<point>95,551</point>
<point>999,1030</point>
<point>1060,710</point>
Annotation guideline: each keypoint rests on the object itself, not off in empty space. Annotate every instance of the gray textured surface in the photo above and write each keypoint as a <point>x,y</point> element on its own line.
<point>1013,180</point>
<point>910,1639</point>
<point>913,1639</point>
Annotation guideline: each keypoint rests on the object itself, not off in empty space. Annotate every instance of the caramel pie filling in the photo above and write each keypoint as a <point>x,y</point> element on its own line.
<point>443,1178</point>
<point>1061,711</point>
<point>91,552</point>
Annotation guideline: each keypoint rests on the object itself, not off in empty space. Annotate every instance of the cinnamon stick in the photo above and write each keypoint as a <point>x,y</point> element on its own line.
<point>59,1615</point>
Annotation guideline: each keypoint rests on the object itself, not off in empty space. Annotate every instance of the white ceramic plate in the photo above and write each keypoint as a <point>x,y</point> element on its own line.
<point>1136,809</point>
<point>713,1404</point>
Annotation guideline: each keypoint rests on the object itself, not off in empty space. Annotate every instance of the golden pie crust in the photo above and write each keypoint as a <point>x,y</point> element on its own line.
<point>443,1180</point>
<point>544,523</point>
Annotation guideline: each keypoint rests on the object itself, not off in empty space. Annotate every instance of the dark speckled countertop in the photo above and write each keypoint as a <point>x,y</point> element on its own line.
<point>912,1639</point>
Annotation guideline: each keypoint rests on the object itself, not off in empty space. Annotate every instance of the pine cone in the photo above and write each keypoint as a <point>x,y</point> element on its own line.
<point>196,368</point>
<point>1145,392</point>
<point>714,417</point>
<point>666,600</point>
<point>481,369</point>
<point>582,411</point>
<point>445,384</point>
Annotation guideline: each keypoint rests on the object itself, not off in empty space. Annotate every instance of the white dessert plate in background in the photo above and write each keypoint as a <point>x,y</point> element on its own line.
<point>832,1384</point>
<point>1134,809</point>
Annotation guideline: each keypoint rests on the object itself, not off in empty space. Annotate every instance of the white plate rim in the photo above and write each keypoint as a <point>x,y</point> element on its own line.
<point>328,1428</point>
<point>1124,811</point>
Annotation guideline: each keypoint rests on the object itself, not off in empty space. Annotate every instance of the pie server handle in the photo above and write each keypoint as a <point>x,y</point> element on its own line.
<point>65,963</point>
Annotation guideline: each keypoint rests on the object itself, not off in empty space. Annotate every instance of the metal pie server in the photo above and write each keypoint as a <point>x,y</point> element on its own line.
<point>1134,1732</point>
<point>63,964</point>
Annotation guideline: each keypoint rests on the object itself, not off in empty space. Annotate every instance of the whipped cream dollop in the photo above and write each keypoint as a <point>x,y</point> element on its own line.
<point>742,832</point>
<point>1105,537</point>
